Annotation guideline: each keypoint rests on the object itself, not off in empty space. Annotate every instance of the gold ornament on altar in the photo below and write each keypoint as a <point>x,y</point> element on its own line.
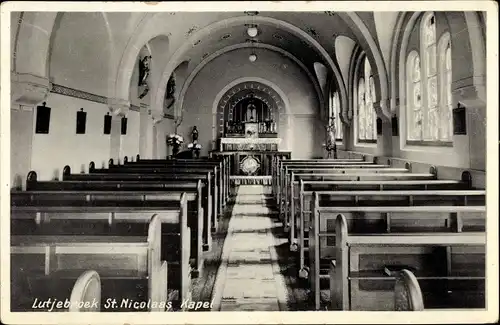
<point>249,165</point>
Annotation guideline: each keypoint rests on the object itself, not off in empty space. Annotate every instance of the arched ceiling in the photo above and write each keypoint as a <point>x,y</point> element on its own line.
<point>193,36</point>
<point>322,27</point>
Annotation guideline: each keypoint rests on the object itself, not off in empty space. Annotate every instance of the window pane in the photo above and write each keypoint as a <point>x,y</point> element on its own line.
<point>417,96</point>
<point>361,104</point>
<point>430,30</point>
<point>374,123</point>
<point>416,69</point>
<point>433,124</point>
<point>449,104</point>
<point>416,126</point>
<point>448,58</point>
<point>432,91</point>
<point>430,56</point>
<point>372,89</point>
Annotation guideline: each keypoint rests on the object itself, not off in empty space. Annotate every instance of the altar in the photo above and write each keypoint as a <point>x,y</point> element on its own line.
<point>260,144</point>
<point>249,137</point>
<point>252,159</point>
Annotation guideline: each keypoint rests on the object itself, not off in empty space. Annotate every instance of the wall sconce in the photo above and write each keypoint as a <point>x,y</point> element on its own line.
<point>459,120</point>
<point>81,121</point>
<point>252,31</point>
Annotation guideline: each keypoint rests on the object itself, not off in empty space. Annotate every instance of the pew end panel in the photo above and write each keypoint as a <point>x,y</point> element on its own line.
<point>407,292</point>
<point>86,294</point>
<point>437,260</point>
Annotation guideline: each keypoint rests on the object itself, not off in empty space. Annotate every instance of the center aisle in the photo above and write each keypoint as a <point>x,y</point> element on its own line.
<point>249,277</point>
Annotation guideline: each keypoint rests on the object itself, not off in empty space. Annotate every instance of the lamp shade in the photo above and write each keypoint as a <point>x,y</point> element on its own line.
<point>252,57</point>
<point>252,31</point>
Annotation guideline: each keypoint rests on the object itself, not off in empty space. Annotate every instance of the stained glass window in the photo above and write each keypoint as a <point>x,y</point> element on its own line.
<point>361,109</point>
<point>366,119</point>
<point>429,95</point>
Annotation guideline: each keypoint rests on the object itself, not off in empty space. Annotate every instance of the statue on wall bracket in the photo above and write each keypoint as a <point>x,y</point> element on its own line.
<point>144,72</point>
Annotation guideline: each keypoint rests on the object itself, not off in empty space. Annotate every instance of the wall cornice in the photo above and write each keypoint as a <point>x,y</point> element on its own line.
<point>80,94</point>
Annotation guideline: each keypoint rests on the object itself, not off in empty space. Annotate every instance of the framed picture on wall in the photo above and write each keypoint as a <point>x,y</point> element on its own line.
<point>124,125</point>
<point>107,124</point>
<point>459,120</point>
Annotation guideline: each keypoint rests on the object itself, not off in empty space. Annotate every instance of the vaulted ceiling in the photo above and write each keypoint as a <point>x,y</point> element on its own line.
<point>104,46</point>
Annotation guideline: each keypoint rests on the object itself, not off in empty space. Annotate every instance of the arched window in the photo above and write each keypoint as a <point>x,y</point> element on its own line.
<point>429,118</point>
<point>366,117</point>
<point>361,109</point>
<point>414,116</point>
<point>335,113</point>
<point>446,110</point>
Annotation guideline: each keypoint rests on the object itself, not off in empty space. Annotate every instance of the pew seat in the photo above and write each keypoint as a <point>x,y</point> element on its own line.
<point>65,294</point>
<point>130,267</point>
<point>110,222</point>
<point>449,266</point>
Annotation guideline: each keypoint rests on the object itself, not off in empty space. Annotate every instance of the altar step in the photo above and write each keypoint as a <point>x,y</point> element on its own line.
<point>250,180</point>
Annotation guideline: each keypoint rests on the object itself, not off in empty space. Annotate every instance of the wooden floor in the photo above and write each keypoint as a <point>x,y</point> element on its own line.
<point>250,267</point>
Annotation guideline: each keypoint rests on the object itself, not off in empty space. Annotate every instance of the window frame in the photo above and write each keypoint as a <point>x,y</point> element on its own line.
<point>439,61</point>
<point>362,76</point>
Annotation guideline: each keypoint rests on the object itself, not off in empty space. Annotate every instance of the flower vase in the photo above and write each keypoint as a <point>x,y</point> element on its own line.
<point>197,153</point>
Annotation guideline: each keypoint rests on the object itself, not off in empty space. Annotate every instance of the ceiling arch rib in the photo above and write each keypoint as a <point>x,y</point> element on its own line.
<point>322,75</point>
<point>366,40</point>
<point>385,21</point>
<point>200,66</point>
<point>344,47</point>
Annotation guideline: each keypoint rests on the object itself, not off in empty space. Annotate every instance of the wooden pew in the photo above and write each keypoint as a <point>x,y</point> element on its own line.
<point>284,176</point>
<point>379,211</point>
<point>218,166</point>
<point>202,161</point>
<point>55,205</point>
<point>155,181</point>
<point>280,163</point>
<point>306,189</point>
<point>292,185</point>
<point>449,266</point>
<point>285,164</point>
<point>155,173</point>
<point>374,220</point>
<point>293,188</point>
<point>101,215</point>
<point>198,196</point>
<point>81,295</point>
<point>123,262</point>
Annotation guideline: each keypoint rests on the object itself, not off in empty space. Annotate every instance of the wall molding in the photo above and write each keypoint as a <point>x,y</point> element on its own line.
<point>80,94</point>
<point>76,93</point>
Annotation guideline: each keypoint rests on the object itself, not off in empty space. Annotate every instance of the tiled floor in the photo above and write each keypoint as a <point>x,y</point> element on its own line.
<point>249,277</point>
